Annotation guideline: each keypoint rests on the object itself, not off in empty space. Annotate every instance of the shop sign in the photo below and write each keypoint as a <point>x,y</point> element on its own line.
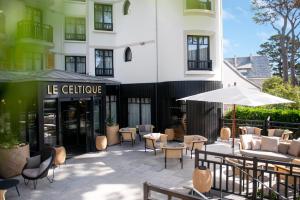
<point>73,89</point>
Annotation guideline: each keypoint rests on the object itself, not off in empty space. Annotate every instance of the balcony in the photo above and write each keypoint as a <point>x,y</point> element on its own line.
<point>199,65</point>
<point>35,31</point>
<point>104,72</point>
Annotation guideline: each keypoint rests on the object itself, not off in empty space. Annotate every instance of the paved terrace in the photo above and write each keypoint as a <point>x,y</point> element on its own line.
<point>117,174</point>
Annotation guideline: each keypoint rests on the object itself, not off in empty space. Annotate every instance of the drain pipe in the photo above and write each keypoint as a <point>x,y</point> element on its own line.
<point>156,46</point>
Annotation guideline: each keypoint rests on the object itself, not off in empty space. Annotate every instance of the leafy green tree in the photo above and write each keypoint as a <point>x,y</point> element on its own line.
<point>277,87</point>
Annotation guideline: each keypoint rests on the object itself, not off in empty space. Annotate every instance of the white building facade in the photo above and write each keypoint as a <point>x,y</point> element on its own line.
<point>158,50</point>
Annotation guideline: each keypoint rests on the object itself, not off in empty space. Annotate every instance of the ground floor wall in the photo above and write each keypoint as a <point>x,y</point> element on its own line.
<point>201,118</point>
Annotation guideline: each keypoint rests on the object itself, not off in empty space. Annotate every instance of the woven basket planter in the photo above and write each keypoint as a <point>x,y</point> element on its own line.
<point>202,179</point>
<point>225,133</point>
<point>13,161</point>
<point>101,143</point>
<point>112,133</point>
<point>60,155</point>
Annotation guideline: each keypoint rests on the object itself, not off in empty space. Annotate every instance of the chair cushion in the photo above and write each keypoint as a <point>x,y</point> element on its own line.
<point>256,144</point>
<point>33,162</point>
<point>45,164</point>
<point>278,132</point>
<point>246,141</point>
<point>283,148</point>
<point>32,173</point>
<point>269,144</point>
<point>267,155</point>
<point>250,130</point>
<point>294,149</point>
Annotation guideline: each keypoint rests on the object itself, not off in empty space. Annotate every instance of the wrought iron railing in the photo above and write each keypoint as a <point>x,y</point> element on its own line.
<point>251,177</point>
<point>104,72</point>
<point>103,26</point>
<point>75,36</point>
<point>200,65</point>
<point>33,30</point>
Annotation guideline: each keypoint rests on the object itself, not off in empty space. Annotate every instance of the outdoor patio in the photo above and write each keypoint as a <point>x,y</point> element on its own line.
<point>118,173</point>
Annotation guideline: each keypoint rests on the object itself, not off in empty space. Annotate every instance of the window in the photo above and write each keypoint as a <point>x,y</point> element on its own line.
<point>104,62</point>
<point>126,7</point>
<point>128,54</point>
<point>103,17</point>
<point>75,28</point>
<point>198,53</point>
<point>111,107</point>
<point>50,136</point>
<point>75,64</point>
<point>139,111</point>
<point>34,15</point>
<point>198,4</point>
<point>2,22</point>
<point>33,61</point>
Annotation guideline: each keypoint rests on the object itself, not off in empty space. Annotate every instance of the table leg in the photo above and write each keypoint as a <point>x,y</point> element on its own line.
<point>17,190</point>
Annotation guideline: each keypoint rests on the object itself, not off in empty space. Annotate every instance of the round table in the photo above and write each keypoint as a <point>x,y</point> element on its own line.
<point>9,183</point>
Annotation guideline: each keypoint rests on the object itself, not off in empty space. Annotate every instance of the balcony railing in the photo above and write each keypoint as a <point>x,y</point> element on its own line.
<point>33,30</point>
<point>196,4</point>
<point>75,36</point>
<point>200,65</point>
<point>103,26</point>
<point>104,72</point>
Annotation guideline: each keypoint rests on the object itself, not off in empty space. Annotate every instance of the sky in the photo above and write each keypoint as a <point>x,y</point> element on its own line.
<point>242,36</point>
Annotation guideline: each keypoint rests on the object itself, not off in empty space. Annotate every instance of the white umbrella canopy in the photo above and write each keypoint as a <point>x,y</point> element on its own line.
<point>238,96</point>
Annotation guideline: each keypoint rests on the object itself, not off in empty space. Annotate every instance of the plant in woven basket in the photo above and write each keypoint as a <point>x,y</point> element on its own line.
<point>110,121</point>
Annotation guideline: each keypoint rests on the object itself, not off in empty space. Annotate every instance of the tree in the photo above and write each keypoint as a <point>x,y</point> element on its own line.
<point>284,17</point>
<point>271,49</point>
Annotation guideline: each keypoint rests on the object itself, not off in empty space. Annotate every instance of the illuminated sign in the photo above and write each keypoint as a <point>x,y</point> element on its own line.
<point>73,89</point>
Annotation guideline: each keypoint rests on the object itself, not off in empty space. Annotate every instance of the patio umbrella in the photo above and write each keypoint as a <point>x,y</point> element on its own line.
<point>237,96</point>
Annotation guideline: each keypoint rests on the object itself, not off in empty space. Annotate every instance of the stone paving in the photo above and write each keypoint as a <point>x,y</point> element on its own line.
<point>117,174</point>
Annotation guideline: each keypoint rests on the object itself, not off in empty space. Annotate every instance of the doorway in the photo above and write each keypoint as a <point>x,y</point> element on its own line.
<point>76,126</point>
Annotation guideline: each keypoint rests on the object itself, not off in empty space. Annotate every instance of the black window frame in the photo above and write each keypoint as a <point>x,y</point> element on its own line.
<point>140,101</point>
<point>128,54</point>
<point>75,36</point>
<point>102,71</point>
<point>199,64</point>
<point>109,100</point>
<point>76,63</point>
<point>102,25</point>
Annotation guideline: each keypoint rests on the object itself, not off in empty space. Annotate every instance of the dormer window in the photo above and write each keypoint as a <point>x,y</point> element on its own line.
<point>126,7</point>
<point>198,5</point>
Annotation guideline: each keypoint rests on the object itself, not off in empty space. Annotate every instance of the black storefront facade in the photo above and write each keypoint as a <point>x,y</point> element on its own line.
<point>54,108</point>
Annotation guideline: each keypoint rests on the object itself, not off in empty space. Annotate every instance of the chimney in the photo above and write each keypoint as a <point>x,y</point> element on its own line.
<point>235,61</point>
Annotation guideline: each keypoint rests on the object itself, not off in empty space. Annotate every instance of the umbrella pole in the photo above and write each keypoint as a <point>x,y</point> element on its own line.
<point>233,125</point>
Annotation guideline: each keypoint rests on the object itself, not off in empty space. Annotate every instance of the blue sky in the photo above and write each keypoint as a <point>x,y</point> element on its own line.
<point>242,36</point>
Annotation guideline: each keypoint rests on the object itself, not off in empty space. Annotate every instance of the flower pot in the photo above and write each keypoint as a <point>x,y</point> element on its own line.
<point>101,143</point>
<point>112,133</point>
<point>13,160</point>
<point>202,179</point>
<point>225,133</point>
<point>60,155</point>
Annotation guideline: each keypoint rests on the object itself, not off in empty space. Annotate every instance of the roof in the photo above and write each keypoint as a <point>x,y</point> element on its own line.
<point>256,66</point>
<point>230,66</point>
<point>51,75</point>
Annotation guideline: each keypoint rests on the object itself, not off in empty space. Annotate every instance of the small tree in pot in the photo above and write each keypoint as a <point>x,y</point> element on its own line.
<point>112,129</point>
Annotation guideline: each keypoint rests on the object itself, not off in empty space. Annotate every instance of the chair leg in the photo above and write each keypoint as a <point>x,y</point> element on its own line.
<point>34,184</point>
<point>181,160</point>
<point>165,162</point>
<point>17,190</point>
<point>26,183</point>
<point>185,151</point>
<point>191,154</point>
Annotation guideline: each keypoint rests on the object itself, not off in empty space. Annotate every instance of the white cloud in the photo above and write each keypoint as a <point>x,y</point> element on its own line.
<point>229,46</point>
<point>242,10</point>
<point>228,16</point>
<point>263,36</point>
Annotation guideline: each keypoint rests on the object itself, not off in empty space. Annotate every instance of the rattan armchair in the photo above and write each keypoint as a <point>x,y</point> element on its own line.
<point>284,135</point>
<point>250,130</point>
<point>155,141</point>
<point>193,142</point>
<point>128,135</point>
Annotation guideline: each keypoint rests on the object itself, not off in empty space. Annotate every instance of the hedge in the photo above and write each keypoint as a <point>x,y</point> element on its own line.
<point>257,113</point>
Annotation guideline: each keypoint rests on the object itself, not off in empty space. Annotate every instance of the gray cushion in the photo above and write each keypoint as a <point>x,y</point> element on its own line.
<point>250,130</point>
<point>33,162</point>
<point>294,149</point>
<point>246,141</point>
<point>278,132</point>
<point>45,164</point>
<point>256,144</point>
<point>267,155</point>
<point>269,144</point>
<point>283,148</point>
<point>34,172</point>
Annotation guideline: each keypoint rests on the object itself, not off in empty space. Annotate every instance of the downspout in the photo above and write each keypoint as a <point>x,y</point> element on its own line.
<point>156,46</point>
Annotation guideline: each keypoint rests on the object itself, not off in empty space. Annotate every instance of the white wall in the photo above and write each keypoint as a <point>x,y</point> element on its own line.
<point>231,76</point>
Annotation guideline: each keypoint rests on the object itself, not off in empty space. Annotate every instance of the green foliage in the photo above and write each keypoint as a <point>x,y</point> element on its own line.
<point>259,113</point>
<point>110,121</point>
<point>272,197</point>
<point>277,87</point>
<point>9,140</point>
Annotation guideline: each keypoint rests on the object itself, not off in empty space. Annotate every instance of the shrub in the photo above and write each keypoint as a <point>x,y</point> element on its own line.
<point>258,113</point>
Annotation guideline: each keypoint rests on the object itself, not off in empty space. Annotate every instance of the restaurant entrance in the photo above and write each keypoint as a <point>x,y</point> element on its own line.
<point>76,125</point>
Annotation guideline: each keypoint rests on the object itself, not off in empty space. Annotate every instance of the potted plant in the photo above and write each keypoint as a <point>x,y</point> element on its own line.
<point>112,131</point>
<point>13,154</point>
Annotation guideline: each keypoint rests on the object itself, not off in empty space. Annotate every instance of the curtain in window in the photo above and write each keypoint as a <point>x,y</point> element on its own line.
<point>80,65</point>
<point>133,113</point>
<point>146,113</point>
<point>70,64</point>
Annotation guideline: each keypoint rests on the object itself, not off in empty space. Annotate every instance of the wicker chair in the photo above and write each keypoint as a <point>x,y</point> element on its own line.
<point>193,142</point>
<point>170,133</point>
<point>128,135</point>
<point>283,134</point>
<point>155,142</point>
<point>37,167</point>
<point>250,130</point>
<point>144,129</point>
